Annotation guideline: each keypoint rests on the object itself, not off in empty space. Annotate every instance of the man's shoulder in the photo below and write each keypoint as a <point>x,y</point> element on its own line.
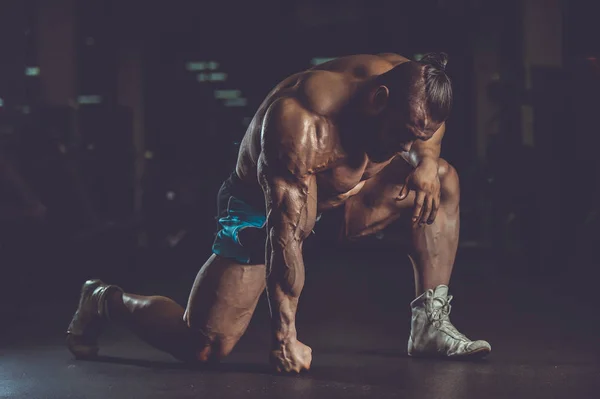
<point>324,88</point>
<point>324,93</point>
<point>295,136</point>
<point>393,58</point>
<point>363,64</point>
<point>317,93</point>
<point>287,120</point>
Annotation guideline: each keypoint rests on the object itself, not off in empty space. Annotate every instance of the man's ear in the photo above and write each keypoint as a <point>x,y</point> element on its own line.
<point>378,100</point>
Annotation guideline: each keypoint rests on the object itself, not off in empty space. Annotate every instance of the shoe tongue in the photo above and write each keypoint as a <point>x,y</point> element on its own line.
<point>440,295</point>
<point>441,291</point>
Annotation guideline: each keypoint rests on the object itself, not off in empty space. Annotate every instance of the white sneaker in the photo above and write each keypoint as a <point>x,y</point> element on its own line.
<point>432,333</point>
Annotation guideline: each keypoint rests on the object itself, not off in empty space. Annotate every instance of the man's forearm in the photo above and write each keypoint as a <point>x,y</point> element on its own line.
<point>283,317</point>
<point>285,283</point>
<point>421,153</point>
<point>427,152</point>
<point>290,218</point>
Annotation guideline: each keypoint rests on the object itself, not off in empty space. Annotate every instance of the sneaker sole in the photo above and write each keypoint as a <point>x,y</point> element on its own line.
<point>475,355</point>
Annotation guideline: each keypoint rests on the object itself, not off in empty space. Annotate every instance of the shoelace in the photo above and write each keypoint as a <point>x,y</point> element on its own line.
<point>441,313</point>
<point>441,316</point>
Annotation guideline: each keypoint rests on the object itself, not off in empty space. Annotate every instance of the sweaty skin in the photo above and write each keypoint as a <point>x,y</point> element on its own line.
<point>327,137</point>
<point>324,95</point>
<point>313,144</point>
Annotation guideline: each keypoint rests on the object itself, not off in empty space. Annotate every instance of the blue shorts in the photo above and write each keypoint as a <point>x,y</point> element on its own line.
<point>234,215</point>
<point>238,215</point>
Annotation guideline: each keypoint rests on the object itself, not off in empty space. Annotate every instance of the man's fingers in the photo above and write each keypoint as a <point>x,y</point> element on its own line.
<point>419,199</point>
<point>434,210</point>
<point>427,206</point>
<point>404,191</point>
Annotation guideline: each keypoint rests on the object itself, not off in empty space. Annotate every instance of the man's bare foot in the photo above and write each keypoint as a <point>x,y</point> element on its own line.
<point>292,357</point>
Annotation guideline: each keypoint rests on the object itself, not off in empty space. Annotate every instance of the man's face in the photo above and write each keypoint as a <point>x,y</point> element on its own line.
<point>402,125</point>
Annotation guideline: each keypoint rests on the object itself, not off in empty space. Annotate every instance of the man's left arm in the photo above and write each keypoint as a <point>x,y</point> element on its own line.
<point>424,157</point>
<point>427,152</point>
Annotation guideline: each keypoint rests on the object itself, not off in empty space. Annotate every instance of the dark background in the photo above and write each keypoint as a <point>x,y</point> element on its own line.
<point>114,139</point>
<point>103,122</point>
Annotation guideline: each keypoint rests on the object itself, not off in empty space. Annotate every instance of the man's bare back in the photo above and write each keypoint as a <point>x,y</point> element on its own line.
<point>322,93</point>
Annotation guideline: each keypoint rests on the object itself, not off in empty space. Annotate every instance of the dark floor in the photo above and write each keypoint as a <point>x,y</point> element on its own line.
<point>545,345</point>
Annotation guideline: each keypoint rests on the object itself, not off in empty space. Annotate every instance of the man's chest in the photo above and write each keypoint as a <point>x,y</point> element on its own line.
<point>345,179</point>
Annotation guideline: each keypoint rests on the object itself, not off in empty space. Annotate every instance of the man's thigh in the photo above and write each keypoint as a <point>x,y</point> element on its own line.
<point>223,298</point>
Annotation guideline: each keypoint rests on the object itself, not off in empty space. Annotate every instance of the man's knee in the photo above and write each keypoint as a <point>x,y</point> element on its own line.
<point>449,180</point>
<point>206,349</point>
<point>216,350</point>
<point>210,346</point>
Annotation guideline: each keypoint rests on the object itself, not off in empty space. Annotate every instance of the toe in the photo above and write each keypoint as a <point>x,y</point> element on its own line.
<point>478,348</point>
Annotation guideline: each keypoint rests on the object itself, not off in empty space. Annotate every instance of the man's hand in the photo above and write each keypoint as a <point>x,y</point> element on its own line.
<point>291,357</point>
<point>424,180</point>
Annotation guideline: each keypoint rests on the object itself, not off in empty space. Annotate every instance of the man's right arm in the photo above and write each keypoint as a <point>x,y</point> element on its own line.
<point>290,193</point>
<point>290,218</point>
